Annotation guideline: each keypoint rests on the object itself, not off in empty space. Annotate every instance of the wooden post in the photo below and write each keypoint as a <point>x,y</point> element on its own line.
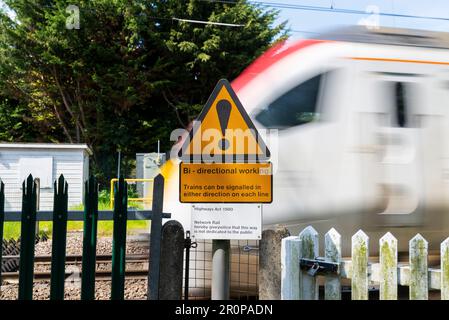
<point>270,264</point>
<point>332,244</point>
<point>359,283</point>
<point>89,239</point>
<point>418,268</point>
<point>444,256</point>
<point>290,268</point>
<point>60,203</point>
<point>308,248</point>
<point>388,267</point>
<point>172,258</point>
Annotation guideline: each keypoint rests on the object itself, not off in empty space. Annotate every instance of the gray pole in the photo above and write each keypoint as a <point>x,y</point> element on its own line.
<point>38,202</point>
<point>220,269</point>
<point>118,166</point>
<point>158,152</point>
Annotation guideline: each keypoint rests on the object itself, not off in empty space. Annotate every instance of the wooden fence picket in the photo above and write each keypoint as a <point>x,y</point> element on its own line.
<point>298,283</point>
<point>290,268</point>
<point>332,247</point>
<point>388,267</point>
<point>444,256</point>
<point>418,268</point>
<point>308,286</point>
<point>359,283</point>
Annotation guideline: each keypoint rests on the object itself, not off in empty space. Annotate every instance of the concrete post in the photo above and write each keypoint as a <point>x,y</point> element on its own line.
<point>172,259</point>
<point>270,263</point>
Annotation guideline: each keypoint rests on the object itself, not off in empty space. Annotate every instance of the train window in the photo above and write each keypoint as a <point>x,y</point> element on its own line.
<point>400,106</point>
<point>296,107</point>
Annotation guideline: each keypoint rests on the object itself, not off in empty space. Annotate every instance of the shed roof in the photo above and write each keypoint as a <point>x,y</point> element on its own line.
<point>25,145</point>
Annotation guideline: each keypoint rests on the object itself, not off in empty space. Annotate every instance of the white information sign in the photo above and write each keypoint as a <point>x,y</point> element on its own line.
<point>226,221</point>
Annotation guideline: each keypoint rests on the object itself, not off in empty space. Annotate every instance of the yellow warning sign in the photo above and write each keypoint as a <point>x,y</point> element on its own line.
<point>224,132</point>
<point>223,155</point>
<point>225,182</point>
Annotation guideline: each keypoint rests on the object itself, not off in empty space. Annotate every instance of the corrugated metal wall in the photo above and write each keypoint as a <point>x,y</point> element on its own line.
<point>68,162</point>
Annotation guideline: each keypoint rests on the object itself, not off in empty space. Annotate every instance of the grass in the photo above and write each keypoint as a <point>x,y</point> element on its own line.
<point>105,228</point>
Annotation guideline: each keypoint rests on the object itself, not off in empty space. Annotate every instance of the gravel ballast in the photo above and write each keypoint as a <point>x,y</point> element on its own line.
<point>135,289</point>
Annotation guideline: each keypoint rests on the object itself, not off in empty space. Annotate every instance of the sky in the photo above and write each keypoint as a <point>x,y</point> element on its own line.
<point>3,6</point>
<point>304,23</point>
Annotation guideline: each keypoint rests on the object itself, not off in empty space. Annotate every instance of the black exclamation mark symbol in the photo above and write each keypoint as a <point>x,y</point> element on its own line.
<point>224,111</point>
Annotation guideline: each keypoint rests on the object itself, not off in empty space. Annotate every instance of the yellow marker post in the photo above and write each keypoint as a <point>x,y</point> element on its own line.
<point>111,196</point>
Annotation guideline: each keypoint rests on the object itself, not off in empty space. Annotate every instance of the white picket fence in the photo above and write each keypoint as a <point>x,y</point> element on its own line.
<point>297,284</point>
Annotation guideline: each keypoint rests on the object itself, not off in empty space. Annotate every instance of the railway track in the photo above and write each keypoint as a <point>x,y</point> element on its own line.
<point>99,275</point>
<point>76,260</point>
<point>79,258</point>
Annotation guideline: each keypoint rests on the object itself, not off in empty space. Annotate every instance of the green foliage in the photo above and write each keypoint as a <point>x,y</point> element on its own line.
<point>15,122</point>
<point>128,77</point>
<point>105,228</point>
<point>11,230</point>
<point>104,199</point>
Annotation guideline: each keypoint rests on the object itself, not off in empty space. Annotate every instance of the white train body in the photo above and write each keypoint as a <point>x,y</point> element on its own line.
<point>363,140</point>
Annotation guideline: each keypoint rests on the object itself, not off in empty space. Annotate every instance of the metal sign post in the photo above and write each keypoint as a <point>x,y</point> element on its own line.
<point>221,272</point>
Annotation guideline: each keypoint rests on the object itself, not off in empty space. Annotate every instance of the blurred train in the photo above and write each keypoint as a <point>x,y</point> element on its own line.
<point>363,140</point>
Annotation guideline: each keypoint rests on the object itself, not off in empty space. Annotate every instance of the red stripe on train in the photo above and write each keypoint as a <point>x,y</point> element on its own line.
<point>269,58</point>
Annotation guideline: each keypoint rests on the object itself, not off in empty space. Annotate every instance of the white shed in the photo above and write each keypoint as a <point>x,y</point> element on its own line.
<point>46,161</point>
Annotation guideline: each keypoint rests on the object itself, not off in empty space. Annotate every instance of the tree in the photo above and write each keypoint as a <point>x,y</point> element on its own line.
<point>16,123</point>
<point>131,73</point>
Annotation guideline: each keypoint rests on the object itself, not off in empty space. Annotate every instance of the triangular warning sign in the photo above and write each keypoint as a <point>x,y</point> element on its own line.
<point>223,132</point>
